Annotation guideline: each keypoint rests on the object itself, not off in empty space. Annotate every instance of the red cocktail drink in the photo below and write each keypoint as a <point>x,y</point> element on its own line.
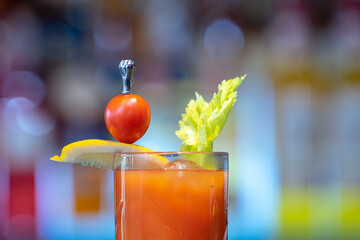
<point>176,202</point>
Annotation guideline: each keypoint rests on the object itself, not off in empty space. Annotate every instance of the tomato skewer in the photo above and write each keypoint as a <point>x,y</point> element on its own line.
<point>127,116</point>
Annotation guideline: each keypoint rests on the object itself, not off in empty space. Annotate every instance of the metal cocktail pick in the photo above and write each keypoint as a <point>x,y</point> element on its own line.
<point>127,69</point>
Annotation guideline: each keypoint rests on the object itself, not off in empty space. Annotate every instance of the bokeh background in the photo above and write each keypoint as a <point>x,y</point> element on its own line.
<point>293,135</point>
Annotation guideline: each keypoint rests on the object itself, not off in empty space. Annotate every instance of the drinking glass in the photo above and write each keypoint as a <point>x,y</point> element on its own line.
<point>171,195</point>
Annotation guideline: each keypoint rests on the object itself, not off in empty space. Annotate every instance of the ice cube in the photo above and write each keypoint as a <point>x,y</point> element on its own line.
<point>182,164</point>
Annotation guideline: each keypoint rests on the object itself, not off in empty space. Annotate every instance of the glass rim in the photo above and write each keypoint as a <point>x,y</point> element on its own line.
<point>135,160</point>
<point>172,152</point>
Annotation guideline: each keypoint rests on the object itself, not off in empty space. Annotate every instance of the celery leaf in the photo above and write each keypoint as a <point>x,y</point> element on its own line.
<point>202,121</point>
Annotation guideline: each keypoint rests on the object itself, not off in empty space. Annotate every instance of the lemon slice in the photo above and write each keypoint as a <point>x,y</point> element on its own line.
<point>101,154</point>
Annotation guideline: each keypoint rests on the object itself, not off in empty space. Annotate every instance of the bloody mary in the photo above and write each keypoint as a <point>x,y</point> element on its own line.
<point>175,203</point>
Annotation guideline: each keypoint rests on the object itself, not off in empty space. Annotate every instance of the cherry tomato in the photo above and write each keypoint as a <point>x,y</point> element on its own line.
<point>127,117</point>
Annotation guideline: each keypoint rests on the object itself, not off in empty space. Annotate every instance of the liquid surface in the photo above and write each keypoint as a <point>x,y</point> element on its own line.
<point>171,204</point>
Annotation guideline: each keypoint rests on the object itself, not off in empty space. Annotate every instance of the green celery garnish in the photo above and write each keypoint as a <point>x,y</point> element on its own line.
<point>202,121</point>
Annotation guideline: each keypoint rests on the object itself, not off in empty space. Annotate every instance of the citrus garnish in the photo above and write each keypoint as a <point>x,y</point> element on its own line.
<point>100,153</point>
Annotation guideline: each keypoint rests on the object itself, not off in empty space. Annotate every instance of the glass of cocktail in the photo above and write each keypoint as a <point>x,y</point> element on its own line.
<point>178,195</point>
<point>163,195</point>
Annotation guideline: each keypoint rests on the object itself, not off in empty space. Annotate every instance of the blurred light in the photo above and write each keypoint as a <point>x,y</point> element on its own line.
<point>155,91</point>
<point>8,109</point>
<point>73,92</point>
<point>223,39</point>
<point>289,32</point>
<point>112,35</point>
<point>77,1</point>
<point>23,49</point>
<point>26,88</point>
<point>348,120</point>
<point>3,104</point>
<point>168,28</point>
<point>77,16</point>
<point>108,81</point>
<point>58,41</point>
<point>257,172</point>
<point>348,34</point>
<point>5,35</point>
<point>21,226</point>
<point>20,127</point>
<point>35,122</point>
<point>4,188</point>
<point>17,145</point>
<point>20,103</point>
